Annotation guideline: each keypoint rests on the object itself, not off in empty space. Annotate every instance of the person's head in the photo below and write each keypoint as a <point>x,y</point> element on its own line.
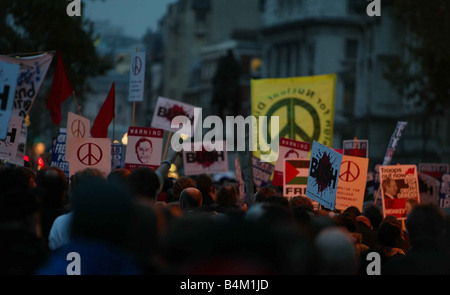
<point>227,196</point>
<point>264,193</point>
<point>374,214</point>
<point>205,185</point>
<point>144,149</point>
<point>269,214</point>
<point>337,255</point>
<point>180,184</point>
<point>301,201</point>
<point>143,183</point>
<point>190,198</point>
<point>16,177</point>
<point>82,176</point>
<point>390,187</point>
<point>53,183</point>
<point>353,211</point>
<point>19,208</point>
<point>425,225</point>
<point>119,174</point>
<point>410,204</point>
<point>347,220</point>
<point>390,235</point>
<point>103,212</point>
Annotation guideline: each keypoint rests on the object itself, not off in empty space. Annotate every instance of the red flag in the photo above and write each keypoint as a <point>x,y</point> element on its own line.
<point>100,127</point>
<point>60,91</point>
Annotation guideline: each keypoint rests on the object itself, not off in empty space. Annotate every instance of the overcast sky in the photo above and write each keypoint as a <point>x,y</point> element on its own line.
<point>134,16</point>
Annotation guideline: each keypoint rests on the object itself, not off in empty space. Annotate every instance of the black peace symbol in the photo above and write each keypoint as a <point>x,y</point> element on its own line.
<point>78,129</point>
<point>89,154</point>
<point>137,65</point>
<point>291,129</point>
<point>351,171</point>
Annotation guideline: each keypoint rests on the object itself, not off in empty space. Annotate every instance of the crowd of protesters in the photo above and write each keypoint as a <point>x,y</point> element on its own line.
<point>142,222</point>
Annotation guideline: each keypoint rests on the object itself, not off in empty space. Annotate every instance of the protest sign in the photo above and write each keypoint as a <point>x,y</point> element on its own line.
<point>295,177</point>
<point>204,161</point>
<point>261,172</point>
<point>137,77</point>
<point>356,147</point>
<point>8,147</point>
<point>444,195</point>
<point>144,148</point>
<point>429,189</point>
<point>323,177</point>
<point>20,154</point>
<point>435,170</point>
<point>90,153</point>
<point>352,182</point>
<point>393,142</point>
<point>167,109</point>
<point>8,82</point>
<point>398,183</point>
<point>289,148</point>
<point>77,127</point>
<point>59,152</point>
<point>33,70</point>
<point>116,155</point>
<point>304,106</point>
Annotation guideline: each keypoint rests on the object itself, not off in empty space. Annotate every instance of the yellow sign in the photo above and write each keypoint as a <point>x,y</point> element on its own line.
<point>304,105</point>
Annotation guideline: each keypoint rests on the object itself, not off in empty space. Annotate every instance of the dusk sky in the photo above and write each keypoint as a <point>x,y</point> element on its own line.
<point>134,16</point>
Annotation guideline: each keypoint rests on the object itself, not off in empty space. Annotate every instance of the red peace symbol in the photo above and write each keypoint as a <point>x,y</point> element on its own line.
<point>77,128</point>
<point>350,172</point>
<point>89,154</point>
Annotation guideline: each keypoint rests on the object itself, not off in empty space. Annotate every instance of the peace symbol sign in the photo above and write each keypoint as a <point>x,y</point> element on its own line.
<point>351,171</point>
<point>291,129</point>
<point>136,65</point>
<point>77,128</point>
<point>89,154</point>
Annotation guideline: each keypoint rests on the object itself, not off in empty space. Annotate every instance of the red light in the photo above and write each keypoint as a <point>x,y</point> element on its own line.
<point>40,162</point>
<point>25,158</point>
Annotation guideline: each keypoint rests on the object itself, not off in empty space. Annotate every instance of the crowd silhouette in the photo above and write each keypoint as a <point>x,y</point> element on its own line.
<point>142,222</point>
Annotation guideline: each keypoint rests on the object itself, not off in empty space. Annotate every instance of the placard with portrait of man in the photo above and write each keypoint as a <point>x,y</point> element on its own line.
<point>144,147</point>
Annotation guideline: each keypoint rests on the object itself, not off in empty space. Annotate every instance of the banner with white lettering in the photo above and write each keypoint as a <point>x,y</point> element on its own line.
<point>8,82</point>
<point>144,148</point>
<point>356,147</point>
<point>444,196</point>
<point>116,155</point>
<point>204,161</point>
<point>262,171</point>
<point>59,152</point>
<point>393,142</point>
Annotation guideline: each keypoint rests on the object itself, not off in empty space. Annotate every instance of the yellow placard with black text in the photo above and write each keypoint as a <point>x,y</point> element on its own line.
<point>304,106</point>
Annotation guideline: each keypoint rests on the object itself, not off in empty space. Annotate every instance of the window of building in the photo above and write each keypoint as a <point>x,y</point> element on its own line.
<point>349,97</point>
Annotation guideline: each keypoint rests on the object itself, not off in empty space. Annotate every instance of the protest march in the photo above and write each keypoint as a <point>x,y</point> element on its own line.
<point>272,190</point>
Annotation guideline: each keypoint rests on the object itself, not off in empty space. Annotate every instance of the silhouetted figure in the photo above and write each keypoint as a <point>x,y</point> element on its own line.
<point>226,85</point>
